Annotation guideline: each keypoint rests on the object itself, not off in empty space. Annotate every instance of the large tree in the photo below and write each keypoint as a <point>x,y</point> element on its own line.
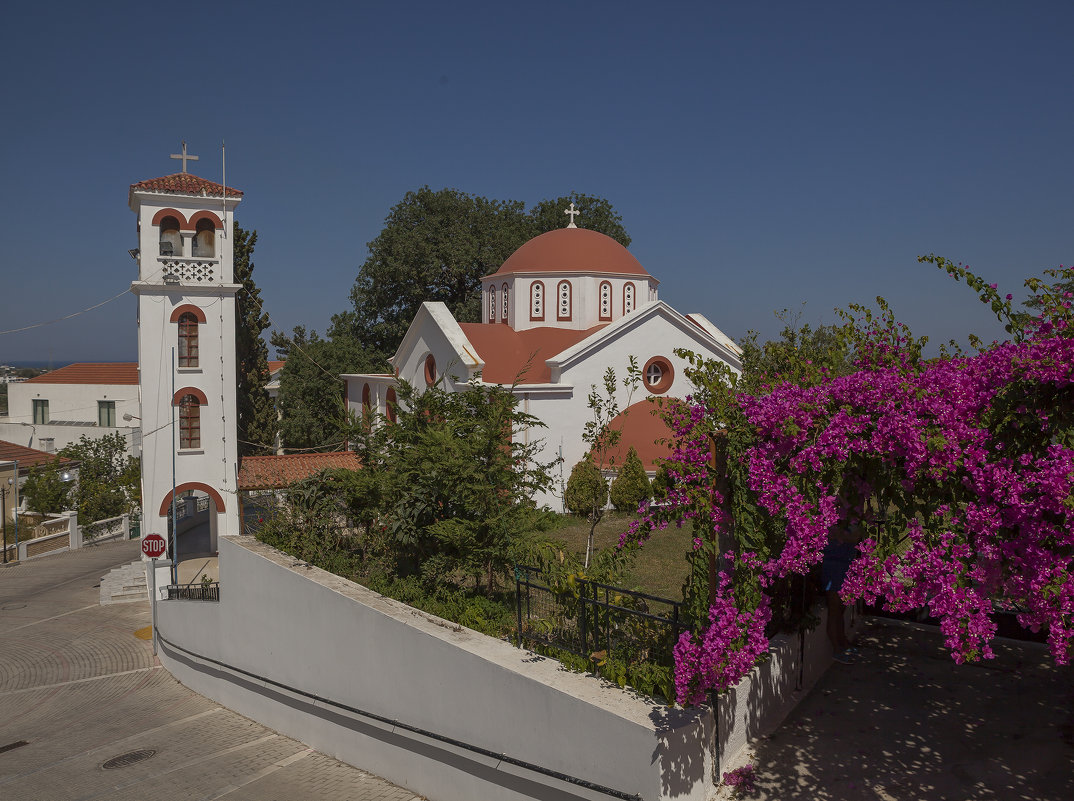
<point>437,245</point>
<point>311,390</point>
<point>256,414</point>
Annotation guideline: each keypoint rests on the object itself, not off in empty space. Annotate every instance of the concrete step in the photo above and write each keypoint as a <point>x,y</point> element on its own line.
<point>125,584</point>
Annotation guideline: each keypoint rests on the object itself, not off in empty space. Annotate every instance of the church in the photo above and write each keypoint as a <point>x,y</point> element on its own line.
<point>561,309</point>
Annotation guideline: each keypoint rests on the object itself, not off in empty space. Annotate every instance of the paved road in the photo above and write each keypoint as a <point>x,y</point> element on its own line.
<point>80,687</point>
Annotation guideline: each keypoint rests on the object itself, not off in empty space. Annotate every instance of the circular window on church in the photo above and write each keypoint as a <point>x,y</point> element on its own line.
<point>658,375</point>
<point>430,369</point>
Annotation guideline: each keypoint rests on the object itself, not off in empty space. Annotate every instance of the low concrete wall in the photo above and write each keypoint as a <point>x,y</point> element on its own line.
<point>295,625</point>
<point>305,628</point>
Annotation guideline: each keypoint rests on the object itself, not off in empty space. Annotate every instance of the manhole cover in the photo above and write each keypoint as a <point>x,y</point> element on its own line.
<point>125,760</point>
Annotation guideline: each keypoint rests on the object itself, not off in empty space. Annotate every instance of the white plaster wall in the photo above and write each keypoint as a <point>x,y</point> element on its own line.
<point>566,415</point>
<point>214,463</point>
<point>70,401</point>
<point>38,436</point>
<point>300,626</point>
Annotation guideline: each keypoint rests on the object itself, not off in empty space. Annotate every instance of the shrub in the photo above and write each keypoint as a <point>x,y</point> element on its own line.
<point>587,490</point>
<point>631,486</point>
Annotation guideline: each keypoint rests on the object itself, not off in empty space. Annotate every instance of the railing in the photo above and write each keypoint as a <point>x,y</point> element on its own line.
<point>108,529</point>
<point>190,270</point>
<point>194,592</point>
<point>595,620</point>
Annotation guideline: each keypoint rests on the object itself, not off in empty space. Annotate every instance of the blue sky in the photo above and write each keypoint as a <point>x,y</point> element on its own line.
<point>763,155</point>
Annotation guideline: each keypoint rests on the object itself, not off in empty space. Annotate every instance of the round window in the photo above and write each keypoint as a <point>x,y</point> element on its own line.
<point>658,375</point>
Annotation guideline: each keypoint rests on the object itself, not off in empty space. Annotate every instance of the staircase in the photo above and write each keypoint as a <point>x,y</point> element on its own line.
<point>125,584</point>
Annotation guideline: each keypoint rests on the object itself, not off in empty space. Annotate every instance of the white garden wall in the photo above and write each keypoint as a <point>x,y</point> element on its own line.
<point>296,625</point>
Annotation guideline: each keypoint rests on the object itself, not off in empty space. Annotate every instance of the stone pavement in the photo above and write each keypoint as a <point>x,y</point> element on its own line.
<point>906,723</point>
<point>80,686</point>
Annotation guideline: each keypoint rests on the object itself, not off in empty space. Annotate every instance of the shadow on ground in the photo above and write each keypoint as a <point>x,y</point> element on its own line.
<point>906,722</point>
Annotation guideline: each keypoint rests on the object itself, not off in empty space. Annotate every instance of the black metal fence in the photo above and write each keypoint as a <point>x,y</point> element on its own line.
<point>595,620</point>
<point>194,592</point>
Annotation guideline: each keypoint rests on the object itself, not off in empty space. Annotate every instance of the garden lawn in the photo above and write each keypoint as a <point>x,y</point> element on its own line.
<point>659,569</point>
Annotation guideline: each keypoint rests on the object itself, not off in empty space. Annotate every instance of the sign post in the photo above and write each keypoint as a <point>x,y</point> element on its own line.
<point>153,600</point>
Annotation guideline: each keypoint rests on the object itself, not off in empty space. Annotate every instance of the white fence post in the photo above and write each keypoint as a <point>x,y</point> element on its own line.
<point>74,529</point>
<point>126,526</point>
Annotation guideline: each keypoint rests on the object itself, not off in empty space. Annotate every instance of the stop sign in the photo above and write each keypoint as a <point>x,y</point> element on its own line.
<point>154,546</point>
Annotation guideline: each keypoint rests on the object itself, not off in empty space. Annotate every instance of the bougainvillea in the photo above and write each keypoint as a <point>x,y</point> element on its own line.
<point>967,463</point>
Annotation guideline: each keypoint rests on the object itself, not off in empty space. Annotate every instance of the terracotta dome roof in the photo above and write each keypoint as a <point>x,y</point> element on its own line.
<point>572,250</point>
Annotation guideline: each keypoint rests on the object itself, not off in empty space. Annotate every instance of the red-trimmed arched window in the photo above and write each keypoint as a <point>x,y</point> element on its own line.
<point>563,300</point>
<point>629,299</point>
<point>188,340</point>
<point>536,301</point>
<point>506,304</point>
<point>189,422</point>
<point>492,304</point>
<point>605,300</point>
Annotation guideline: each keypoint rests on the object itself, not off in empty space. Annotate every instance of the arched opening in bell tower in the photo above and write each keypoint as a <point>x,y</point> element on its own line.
<point>171,241</point>
<point>205,239</point>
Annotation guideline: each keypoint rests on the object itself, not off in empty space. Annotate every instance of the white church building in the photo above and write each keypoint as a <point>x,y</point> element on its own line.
<point>563,308</point>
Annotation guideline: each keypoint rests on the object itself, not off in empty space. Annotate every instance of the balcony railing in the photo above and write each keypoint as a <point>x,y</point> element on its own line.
<point>190,270</point>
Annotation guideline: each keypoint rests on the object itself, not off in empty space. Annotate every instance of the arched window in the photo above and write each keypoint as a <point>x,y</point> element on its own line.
<point>188,340</point>
<point>492,304</point>
<point>366,402</point>
<point>628,297</point>
<point>506,303</point>
<point>536,301</point>
<point>605,300</point>
<point>563,293</point>
<point>171,241</point>
<point>430,369</point>
<point>389,405</point>
<point>189,422</point>
<point>205,239</point>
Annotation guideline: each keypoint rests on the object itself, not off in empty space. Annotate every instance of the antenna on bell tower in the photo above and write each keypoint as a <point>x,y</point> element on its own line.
<point>223,182</point>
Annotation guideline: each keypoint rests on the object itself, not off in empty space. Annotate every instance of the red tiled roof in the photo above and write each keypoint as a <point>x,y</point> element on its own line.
<point>506,351</point>
<point>91,373</point>
<point>183,183</point>
<point>274,365</point>
<point>641,428</point>
<point>574,250</point>
<point>26,457</point>
<point>276,472</point>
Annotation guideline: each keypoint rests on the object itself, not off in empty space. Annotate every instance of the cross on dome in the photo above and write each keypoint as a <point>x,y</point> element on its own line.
<point>573,212</point>
<point>184,157</point>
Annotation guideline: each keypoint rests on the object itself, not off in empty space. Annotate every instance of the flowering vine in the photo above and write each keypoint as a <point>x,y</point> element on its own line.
<point>967,462</point>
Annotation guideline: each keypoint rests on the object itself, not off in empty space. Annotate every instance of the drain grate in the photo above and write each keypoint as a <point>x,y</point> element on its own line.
<point>126,760</point>
<point>13,746</point>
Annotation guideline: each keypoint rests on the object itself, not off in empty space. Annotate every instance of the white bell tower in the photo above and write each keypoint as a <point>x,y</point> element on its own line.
<point>186,356</point>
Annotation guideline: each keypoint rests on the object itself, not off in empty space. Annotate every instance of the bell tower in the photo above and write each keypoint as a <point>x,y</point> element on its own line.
<point>186,358</point>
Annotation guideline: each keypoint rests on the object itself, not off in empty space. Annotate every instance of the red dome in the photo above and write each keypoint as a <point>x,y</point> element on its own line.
<point>572,250</point>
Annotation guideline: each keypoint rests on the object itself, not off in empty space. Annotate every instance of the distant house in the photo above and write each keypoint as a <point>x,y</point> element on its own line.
<point>16,461</point>
<point>89,399</point>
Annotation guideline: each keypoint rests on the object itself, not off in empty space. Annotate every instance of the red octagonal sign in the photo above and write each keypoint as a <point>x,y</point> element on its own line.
<point>154,546</point>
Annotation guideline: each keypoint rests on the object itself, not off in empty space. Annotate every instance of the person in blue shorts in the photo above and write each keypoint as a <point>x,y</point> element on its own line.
<point>841,550</point>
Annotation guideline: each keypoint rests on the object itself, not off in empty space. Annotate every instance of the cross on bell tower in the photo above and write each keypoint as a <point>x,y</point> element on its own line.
<point>184,157</point>
<point>572,212</point>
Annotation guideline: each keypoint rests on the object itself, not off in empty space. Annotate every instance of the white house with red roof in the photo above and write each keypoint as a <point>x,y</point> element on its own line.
<point>186,347</point>
<point>87,399</point>
<point>563,308</point>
